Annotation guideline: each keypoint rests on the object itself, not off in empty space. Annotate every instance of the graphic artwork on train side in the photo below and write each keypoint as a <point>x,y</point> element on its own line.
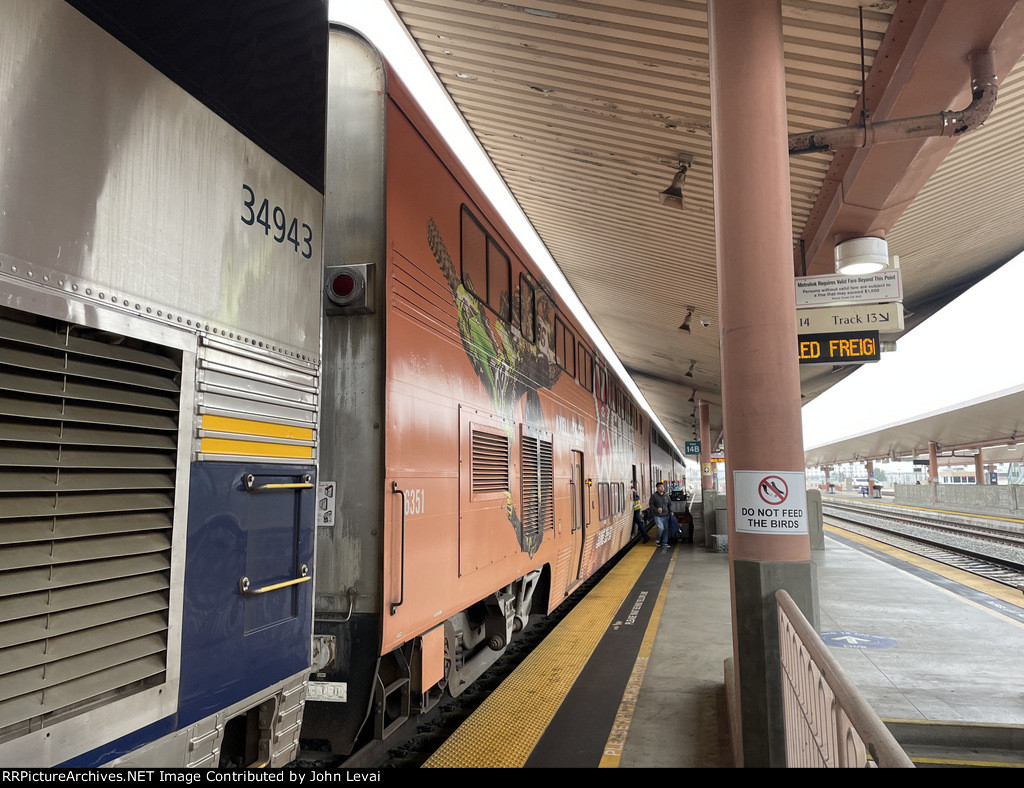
<point>508,366</point>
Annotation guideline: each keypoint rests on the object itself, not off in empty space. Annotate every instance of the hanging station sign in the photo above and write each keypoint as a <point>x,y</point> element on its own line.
<point>884,318</point>
<point>835,289</point>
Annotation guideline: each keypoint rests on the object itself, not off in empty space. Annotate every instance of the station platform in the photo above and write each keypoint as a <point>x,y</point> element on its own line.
<point>634,676</point>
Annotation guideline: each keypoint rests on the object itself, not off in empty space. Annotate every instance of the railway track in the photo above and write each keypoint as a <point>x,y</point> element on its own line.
<point>987,548</point>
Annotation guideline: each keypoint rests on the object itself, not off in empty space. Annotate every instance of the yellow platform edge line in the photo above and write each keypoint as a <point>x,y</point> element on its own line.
<point>505,729</point>
<point>624,716</point>
<point>996,590</point>
<point>953,723</point>
<point>961,762</point>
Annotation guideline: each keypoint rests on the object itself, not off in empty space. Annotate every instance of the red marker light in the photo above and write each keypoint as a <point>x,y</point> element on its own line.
<point>342,285</point>
<point>345,286</point>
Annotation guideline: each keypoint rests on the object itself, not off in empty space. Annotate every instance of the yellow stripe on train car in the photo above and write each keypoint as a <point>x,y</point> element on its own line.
<point>263,428</point>
<point>254,449</point>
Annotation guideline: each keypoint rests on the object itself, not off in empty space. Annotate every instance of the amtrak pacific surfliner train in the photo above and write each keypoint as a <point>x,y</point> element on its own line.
<point>281,454</point>
<point>482,451</point>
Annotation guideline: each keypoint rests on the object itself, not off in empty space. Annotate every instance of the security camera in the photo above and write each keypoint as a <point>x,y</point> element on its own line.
<point>705,322</point>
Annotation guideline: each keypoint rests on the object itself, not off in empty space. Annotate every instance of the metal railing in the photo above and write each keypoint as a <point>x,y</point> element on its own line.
<point>828,722</point>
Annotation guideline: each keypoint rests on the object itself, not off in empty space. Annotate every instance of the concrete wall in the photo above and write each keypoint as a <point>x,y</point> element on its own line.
<point>815,529</point>
<point>967,497</point>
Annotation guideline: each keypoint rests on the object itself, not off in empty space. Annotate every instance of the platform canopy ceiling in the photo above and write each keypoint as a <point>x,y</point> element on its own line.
<point>586,107</point>
<point>991,425</point>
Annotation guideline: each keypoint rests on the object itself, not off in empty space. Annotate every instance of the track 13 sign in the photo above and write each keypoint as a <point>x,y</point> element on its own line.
<point>853,347</point>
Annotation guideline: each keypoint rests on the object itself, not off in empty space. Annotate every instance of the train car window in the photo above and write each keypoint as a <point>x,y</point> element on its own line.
<point>474,256</point>
<point>585,369</point>
<point>559,343</point>
<point>527,309</point>
<point>499,281</point>
<point>565,347</point>
<point>486,269</point>
<point>603,501</point>
<point>570,352</point>
<point>599,382</point>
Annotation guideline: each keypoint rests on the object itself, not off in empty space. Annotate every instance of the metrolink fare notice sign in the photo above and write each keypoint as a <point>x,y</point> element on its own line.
<point>769,502</point>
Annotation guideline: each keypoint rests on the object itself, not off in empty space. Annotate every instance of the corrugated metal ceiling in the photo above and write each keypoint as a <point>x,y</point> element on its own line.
<point>585,108</point>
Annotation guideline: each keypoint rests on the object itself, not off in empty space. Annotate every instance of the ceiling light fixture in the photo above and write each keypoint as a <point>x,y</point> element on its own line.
<point>686,322</point>
<point>689,372</point>
<point>860,256</point>
<point>691,399</point>
<point>673,195</point>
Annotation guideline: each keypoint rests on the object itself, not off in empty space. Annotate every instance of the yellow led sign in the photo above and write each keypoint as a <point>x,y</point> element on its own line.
<point>854,347</point>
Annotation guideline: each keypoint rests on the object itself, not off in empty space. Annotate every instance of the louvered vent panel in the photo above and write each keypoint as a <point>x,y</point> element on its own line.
<point>546,484</point>
<point>530,488</point>
<point>490,463</point>
<point>88,442</point>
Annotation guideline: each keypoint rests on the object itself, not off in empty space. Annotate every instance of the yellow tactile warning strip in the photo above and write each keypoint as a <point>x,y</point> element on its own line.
<point>624,716</point>
<point>535,690</point>
<point>990,587</point>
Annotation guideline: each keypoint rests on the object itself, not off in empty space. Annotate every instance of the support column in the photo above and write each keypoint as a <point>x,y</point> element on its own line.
<point>704,411</point>
<point>933,462</point>
<point>979,469</point>
<point>871,478</point>
<point>757,318</point>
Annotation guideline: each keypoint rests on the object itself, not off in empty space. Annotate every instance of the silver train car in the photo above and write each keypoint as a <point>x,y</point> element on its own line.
<point>159,379</point>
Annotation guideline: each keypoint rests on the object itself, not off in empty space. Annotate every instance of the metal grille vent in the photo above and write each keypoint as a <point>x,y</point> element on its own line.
<point>490,463</point>
<point>88,441</point>
<point>537,486</point>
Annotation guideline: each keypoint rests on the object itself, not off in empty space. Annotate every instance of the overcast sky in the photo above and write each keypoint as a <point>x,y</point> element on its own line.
<point>964,351</point>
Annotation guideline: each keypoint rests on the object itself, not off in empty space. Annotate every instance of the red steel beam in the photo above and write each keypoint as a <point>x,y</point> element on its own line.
<point>920,68</point>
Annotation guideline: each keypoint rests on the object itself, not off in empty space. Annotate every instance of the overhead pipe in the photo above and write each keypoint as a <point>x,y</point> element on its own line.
<point>984,86</point>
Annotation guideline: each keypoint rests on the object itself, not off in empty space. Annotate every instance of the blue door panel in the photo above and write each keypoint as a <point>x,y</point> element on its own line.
<point>234,645</point>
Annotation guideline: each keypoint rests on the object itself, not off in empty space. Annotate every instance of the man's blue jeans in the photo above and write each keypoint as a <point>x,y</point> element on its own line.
<point>662,522</point>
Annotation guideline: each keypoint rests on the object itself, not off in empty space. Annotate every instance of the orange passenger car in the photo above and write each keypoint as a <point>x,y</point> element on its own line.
<point>478,450</point>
